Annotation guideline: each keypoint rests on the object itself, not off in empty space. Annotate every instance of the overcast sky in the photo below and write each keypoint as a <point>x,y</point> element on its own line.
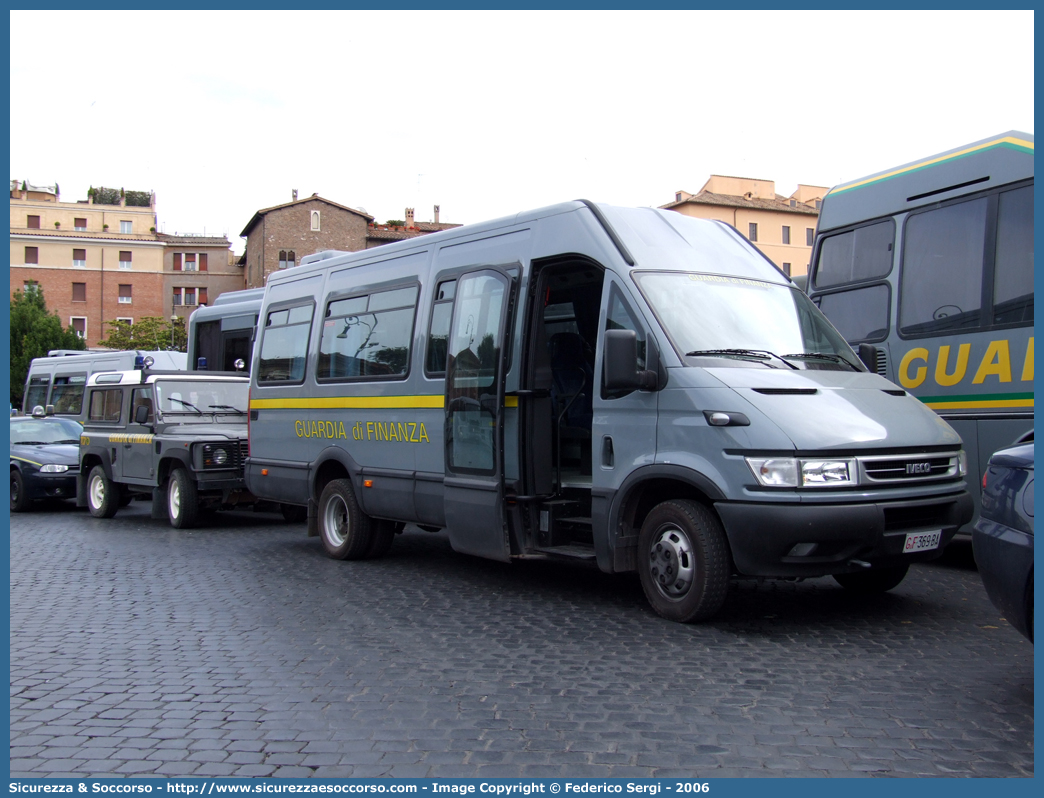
<point>487,114</point>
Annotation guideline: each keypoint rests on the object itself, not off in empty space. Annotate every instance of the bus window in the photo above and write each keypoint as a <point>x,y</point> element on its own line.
<point>860,315</point>
<point>368,336</point>
<point>67,393</point>
<point>941,286</point>
<point>438,329</point>
<point>285,345</point>
<point>1013,275</point>
<point>861,254</point>
<point>36,393</point>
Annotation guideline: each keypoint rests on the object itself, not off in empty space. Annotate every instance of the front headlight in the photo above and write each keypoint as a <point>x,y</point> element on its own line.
<point>53,468</point>
<point>789,472</point>
<point>214,456</point>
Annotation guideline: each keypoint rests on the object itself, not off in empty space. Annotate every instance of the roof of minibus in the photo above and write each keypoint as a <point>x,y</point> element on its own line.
<point>654,238</point>
<point>995,161</point>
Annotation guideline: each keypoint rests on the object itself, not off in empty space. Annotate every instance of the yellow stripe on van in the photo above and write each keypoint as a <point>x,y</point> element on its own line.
<point>1006,141</point>
<point>349,403</point>
<point>973,405</point>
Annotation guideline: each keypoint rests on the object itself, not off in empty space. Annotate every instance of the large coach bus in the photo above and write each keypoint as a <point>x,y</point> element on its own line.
<point>929,266</point>
<point>630,388</point>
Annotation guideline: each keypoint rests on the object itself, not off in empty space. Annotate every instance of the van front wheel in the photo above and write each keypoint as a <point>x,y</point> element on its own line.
<point>683,561</point>
<point>345,529</point>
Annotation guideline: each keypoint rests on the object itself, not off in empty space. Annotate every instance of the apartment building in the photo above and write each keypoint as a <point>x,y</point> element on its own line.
<point>781,227</point>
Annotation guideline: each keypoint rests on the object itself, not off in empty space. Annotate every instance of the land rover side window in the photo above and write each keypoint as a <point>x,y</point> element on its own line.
<point>860,315</point>
<point>438,329</point>
<point>941,287</point>
<point>284,344</point>
<point>620,317</point>
<point>861,254</point>
<point>36,394</point>
<point>67,393</point>
<point>142,397</point>
<point>368,336</point>
<point>1013,272</point>
<point>106,405</point>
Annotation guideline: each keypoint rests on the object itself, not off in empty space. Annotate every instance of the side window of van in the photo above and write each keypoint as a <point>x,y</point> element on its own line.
<point>621,317</point>
<point>105,405</point>
<point>67,393</point>
<point>438,329</point>
<point>857,255</point>
<point>36,394</point>
<point>1013,276</point>
<point>368,336</point>
<point>284,344</point>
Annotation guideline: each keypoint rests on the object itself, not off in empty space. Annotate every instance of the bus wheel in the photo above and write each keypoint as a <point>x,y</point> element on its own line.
<point>382,537</point>
<point>102,494</point>
<point>343,526</point>
<point>683,561</point>
<point>874,580</point>
<point>182,500</point>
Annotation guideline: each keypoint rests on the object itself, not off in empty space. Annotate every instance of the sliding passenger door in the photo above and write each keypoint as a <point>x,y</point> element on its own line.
<point>474,431</point>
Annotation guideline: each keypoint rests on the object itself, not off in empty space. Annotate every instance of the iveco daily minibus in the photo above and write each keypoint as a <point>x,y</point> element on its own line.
<point>630,387</point>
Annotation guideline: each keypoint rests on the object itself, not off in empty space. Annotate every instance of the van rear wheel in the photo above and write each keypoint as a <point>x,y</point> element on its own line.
<point>345,529</point>
<point>102,494</point>
<point>874,580</point>
<point>683,561</point>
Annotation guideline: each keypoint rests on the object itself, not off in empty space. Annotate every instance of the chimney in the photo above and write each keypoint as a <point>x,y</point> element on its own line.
<point>410,224</point>
<point>295,195</point>
<point>436,214</point>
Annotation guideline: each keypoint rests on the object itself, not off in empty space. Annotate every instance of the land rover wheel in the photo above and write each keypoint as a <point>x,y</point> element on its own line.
<point>182,499</point>
<point>873,580</point>
<point>20,501</point>
<point>103,497</point>
<point>683,561</point>
<point>343,526</point>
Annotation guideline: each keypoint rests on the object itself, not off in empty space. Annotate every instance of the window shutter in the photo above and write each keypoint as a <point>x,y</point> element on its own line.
<point>203,294</point>
<point>125,257</point>
<point>33,222</point>
<point>31,255</point>
<point>177,261</point>
<point>80,223</point>
<point>79,254</point>
<point>202,261</point>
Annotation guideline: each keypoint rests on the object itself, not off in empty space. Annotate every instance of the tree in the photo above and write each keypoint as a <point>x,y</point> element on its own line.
<point>148,332</point>
<point>34,332</point>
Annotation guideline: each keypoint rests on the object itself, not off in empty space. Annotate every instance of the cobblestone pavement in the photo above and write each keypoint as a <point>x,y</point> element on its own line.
<point>241,650</point>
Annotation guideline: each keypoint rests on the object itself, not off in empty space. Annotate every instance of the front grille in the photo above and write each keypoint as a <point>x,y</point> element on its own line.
<point>237,452</point>
<point>908,468</point>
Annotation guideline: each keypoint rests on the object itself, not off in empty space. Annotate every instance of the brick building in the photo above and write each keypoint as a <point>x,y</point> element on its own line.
<point>781,227</point>
<point>196,269</point>
<point>101,258</point>
<point>278,237</point>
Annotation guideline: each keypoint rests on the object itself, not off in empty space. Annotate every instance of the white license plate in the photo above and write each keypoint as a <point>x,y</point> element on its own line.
<point>922,541</point>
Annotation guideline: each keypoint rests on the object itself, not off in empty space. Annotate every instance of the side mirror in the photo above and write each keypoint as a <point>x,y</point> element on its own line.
<point>620,363</point>
<point>868,354</point>
<point>141,415</point>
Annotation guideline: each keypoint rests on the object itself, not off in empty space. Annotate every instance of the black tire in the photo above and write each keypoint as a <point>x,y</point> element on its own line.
<point>20,501</point>
<point>872,580</point>
<point>182,500</point>
<point>293,513</point>
<point>684,541</point>
<point>103,497</point>
<point>346,531</point>
<point>381,538</point>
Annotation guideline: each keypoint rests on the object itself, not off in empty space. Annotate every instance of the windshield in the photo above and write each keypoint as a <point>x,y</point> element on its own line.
<point>30,431</point>
<point>746,321</point>
<point>201,397</point>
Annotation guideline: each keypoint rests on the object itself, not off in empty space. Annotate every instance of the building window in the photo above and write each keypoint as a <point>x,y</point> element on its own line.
<point>126,227</point>
<point>315,221</point>
<point>793,203</point>
<point>190,261</point>
<point>125,294</point>
<point>32,222</point>
<point>819,204</point>
<point>185,296</point>
<point>201,296</point>
<point>80,258</point>
<point>786,266</point>
<point>677,196</point>
<point>28,286</point>
<point>282,259</point>
<point>32,255</point>
<point>809,235</point>
<point>752,231</point>
<point>79,292</point>
<point>80,225</point>
<point>125,260</point>
<point>128,319</point>
<point>786,234</point>
<point>79,325</point>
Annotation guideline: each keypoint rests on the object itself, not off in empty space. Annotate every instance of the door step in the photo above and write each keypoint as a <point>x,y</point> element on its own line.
<point>572,551</point>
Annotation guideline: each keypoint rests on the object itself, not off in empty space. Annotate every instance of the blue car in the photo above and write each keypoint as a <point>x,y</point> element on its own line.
<point>45,456</point>
<point>1003,536</point>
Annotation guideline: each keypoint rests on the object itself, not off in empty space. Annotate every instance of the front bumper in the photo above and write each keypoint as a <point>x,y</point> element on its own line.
<point>1004,557</point>
<point>50,486</point>
<point>763,536</point>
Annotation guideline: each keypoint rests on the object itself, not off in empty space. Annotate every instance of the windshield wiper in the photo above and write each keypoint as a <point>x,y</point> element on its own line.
<point>824,356</point>
<point>227,407</point>
<point>186,404</point>
<point>750,354</point>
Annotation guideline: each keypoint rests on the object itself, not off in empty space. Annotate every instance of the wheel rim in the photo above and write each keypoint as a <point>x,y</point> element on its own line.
<point>671,564</point>
<point>174,498</point>
<point>335,522</point>
<point>97,492</point>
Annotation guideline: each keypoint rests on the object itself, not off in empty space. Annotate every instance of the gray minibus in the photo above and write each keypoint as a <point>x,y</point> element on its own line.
<point>629,388</point>
<point>928,267</point>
